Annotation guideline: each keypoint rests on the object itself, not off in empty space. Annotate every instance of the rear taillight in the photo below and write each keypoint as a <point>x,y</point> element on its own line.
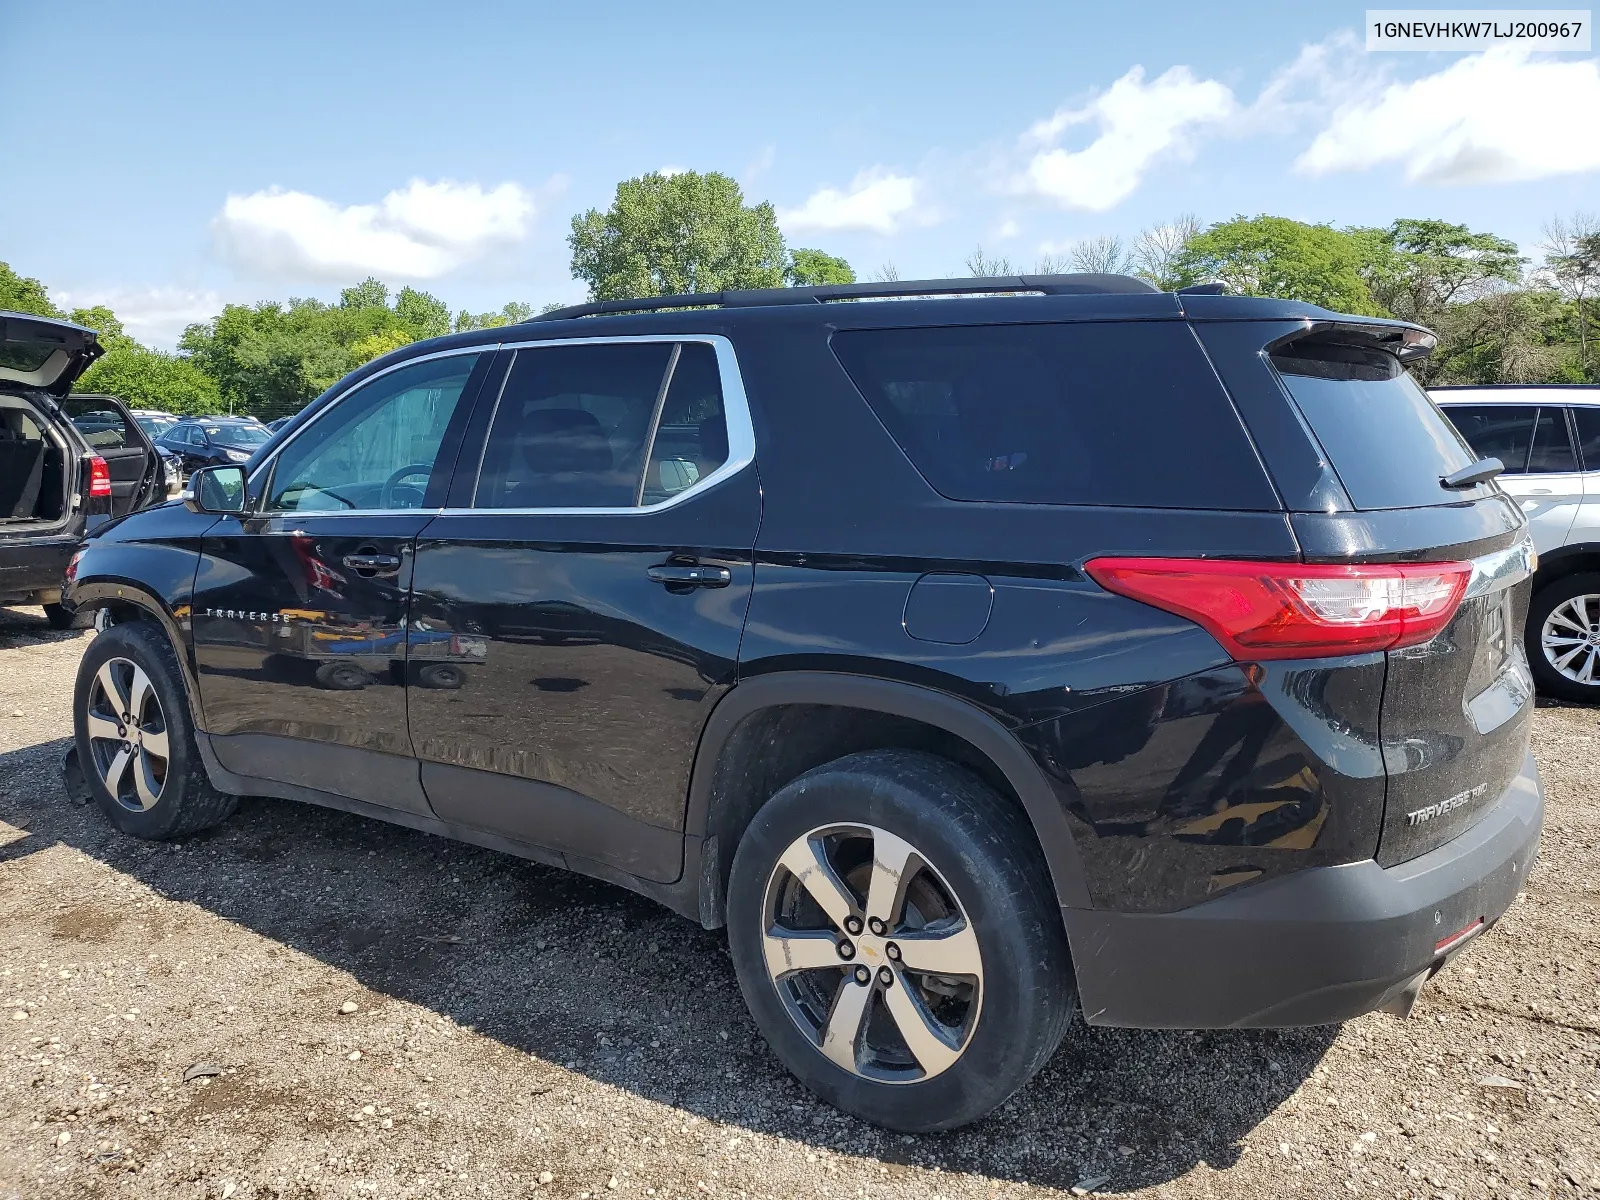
<point>99,478</point>
<point>1295,610</point>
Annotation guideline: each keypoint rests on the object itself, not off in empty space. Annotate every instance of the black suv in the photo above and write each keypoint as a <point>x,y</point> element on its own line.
<point>966,656</point>
<point>67,462</point>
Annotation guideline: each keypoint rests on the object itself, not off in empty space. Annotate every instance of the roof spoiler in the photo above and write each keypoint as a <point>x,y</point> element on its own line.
<point>1077,284</point>
<point>1408,343</point>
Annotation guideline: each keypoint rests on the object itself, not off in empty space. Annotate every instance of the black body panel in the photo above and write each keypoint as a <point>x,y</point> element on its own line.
<point>593,679</point>
<point>294,644</point>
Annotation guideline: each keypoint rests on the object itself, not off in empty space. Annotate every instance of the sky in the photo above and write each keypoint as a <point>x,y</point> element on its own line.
<point>167,159</point>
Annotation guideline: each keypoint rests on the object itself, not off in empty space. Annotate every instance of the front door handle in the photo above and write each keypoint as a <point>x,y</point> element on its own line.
<point>688,575</point>
<point>373,564</point>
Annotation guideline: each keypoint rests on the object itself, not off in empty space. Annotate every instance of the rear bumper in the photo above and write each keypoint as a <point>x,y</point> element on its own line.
<point>1313,948</point>
<point>30,566</point>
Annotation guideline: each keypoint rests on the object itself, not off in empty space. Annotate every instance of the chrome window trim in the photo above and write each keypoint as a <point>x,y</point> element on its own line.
<point>735,412</point>
<point>267,464</point>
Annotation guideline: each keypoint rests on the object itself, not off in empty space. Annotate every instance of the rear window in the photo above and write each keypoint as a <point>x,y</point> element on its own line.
<point>1384,437</point>
<point>1125,414</point>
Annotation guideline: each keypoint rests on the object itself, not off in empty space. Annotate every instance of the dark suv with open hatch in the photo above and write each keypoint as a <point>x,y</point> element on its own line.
<point>970,657</point>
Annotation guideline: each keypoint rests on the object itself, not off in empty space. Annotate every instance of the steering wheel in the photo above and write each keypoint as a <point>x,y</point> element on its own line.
<point>386,496</point>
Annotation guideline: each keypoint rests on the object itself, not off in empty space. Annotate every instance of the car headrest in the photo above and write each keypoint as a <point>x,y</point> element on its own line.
<point>558,441</point>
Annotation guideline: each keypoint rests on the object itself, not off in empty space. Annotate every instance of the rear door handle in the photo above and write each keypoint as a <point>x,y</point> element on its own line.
<point>691,575</point>
<point>377,564</point>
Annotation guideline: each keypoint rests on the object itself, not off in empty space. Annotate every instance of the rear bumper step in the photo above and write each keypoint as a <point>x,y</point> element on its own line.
<point>1313,948</point>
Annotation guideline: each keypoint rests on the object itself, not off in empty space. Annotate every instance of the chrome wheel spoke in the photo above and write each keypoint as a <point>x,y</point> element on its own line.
<point>940,952</point>
<point>155,742</point>
<point>928,1044</point>
<point>790,950</point>
<point>111,687</point>
<point>1586,675</point>
<point>101,729</point>
<point>1560,617</point>
<point>145,782</point>
<point>138,694</point>
<point>116,769</point>
<point>894,861</point>
<point>845,1019</point>
<point>805,860</point>
<point>1561,660</point>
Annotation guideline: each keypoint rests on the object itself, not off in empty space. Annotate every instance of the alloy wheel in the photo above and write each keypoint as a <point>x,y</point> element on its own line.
<point>1570,639</point>
<point>872,953</point>
<point>127,734</point>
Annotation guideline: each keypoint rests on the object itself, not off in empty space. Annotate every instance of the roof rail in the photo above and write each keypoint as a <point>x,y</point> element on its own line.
<point>1080,284</point>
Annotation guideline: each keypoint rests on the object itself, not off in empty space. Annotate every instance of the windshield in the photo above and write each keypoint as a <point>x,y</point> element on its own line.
<point>238,435</point>
<point>155,426</point>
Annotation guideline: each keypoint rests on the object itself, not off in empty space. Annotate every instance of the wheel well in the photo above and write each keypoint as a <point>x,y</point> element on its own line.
<point>120,612</point>
<point>1551,570</point>
<point>775,745</point>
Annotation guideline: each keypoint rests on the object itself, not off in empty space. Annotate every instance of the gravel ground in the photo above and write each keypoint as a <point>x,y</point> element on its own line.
<point>304,1003</point>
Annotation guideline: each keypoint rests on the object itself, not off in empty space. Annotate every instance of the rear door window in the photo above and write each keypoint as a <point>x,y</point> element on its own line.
<point>1503,431</point>
<point>1109,413</point>
<point>1388,442</point>
<point>612,425</point>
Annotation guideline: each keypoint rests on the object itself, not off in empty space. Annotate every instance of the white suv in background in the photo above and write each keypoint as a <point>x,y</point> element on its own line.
<point>1548,436</point>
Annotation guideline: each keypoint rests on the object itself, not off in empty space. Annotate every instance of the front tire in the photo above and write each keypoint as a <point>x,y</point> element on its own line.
<point>897,940</point>
<point>135,737</point>
<point>1563,637</point>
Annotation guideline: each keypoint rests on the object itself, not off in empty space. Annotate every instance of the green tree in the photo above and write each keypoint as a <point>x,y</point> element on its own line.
<point>377,344</point>
<point>19,293</point>
<point>1416,268</point>
<point>511,314</point>
<point>1274,256</point>
<point>666,235</point>
<point>815,268</point>
<point>421,315</point>
<point>146,378</point>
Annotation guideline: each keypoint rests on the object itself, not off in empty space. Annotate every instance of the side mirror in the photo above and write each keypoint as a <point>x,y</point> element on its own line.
<point>216,490</point>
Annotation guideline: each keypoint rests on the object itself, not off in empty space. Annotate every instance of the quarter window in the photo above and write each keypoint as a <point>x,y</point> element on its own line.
<point>377,448</point>
<point>612,425</point>
<point>1588,421</point>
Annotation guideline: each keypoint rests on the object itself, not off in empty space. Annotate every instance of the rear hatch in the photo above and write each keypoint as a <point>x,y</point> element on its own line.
<point>44,354</point>
<point>1457,709</point>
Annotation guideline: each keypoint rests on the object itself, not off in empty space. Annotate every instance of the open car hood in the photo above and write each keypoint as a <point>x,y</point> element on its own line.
<point>43,353</point>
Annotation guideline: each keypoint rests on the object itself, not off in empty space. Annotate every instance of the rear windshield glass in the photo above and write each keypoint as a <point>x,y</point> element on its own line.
<point>1126,414</point>
<point>25,357</point>
<point>1384,437</point>
<point>238,435</point>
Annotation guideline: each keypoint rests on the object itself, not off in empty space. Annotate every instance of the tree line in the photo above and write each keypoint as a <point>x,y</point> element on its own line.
<point>1501,316</point>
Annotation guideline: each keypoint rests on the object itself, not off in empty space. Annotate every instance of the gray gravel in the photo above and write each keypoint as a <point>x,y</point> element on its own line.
<point>365,1011</point>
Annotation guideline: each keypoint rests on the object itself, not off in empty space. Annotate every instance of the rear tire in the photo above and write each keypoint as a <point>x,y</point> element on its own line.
<point>840,999</point>
<point>1559,653</point>
<point>60,617</point>
<point>145,772</point>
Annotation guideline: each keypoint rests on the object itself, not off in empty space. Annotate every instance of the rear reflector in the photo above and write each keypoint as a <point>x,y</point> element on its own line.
<point>99,477</point>
<point>1456,938</point>
<point>1295,610</point>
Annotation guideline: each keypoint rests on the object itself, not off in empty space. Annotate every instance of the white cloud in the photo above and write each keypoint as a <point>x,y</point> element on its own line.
<point>1496,117</point>
<point>421,231</point>
<point>1139,124</point>
<point>877,200</point>
<point>671,169</point>
<point>1007,229</point>
<point>155,316</point>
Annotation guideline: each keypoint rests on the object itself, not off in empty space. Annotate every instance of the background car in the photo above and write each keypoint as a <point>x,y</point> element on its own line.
<point>67,463</point>
<point>1548,437</point>
<point>153,421</point>
<point>213,441</point>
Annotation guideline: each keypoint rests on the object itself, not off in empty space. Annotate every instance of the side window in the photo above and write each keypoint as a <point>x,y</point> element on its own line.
<point>102,428</point>
<point>1503,431</point>
<point>613,425</point>
<point>375,448</point>
<point>1552,444</point>
<point>1588,420</point>
<point>1120,413</point>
